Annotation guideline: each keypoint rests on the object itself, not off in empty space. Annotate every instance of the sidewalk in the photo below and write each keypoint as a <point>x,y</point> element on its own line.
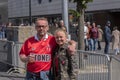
<point>103,46</point>
<point>111,52</point>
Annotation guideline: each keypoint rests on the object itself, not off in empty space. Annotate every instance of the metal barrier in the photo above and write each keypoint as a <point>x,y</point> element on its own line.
<point>93,66</point>
<point>115,67</point>
<point>9,58</point>
<point>16,62</point>
<point>3,56</point>
<point>10,64</point>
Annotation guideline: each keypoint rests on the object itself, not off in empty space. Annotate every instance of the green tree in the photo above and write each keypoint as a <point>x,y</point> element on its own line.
<point>81,5</point>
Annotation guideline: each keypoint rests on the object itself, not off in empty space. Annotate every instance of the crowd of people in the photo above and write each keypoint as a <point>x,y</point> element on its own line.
<point>91,36</point>
<point>94,34</point>
<point>2,31</point>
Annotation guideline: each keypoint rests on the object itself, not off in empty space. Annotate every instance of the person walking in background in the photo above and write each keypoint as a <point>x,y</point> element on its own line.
<point>62,25</point>
<point>100,34</point>
<point>37,51</point>
<point>90,42</point>
<point>115,40</point>
<point>85,37</point>
<point>63,62</point>
<point>0,32</point>
<point>107,37</point>
<point>94,36</point>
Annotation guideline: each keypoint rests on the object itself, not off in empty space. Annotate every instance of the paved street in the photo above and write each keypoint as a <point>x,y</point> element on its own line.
<point>15,76</point>
<point>95,76</point>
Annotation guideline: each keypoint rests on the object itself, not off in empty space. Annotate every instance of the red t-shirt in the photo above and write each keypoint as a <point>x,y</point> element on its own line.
<point>42,50</point>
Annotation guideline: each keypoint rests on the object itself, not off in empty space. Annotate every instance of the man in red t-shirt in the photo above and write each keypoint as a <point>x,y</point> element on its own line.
<point>37,52</point>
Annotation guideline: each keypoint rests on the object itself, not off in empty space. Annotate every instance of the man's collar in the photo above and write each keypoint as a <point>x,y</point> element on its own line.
<point>44,37</point>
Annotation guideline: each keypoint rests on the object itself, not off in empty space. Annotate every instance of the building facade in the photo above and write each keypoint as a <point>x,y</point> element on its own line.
<point>103,10</point>
<point>19,9</point>
<point>3,12</point>
<point>99,10</point>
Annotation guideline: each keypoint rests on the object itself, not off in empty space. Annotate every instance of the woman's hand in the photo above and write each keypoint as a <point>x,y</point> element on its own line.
<point>72,47</point>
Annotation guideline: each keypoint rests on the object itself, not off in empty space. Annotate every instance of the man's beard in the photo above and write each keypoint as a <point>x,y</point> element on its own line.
<point>41,33</point>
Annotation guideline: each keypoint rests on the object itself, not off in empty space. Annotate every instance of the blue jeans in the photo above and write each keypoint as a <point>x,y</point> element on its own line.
<point>94,44</point>
<point>2,34</point>
<point>42,75</point>
<point>90,43</point>
<point>107,45</point>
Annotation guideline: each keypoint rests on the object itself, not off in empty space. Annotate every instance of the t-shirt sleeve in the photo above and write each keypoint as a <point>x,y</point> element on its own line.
<point>24,48</point>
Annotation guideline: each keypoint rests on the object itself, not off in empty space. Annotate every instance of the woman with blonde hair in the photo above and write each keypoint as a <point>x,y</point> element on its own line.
<point>64,63</point>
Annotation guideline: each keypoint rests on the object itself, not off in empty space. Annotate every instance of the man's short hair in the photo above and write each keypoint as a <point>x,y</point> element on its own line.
<point>88,22</point>
<point>98,26</point>
<point>61,21</point>
<point>108,22</point>
<point>114,28</point>
<point>42,18</point>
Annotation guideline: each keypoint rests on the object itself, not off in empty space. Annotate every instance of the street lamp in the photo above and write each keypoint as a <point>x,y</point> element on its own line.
<point>39,1</point>
<point>65,13</point>
<point>30,17</point>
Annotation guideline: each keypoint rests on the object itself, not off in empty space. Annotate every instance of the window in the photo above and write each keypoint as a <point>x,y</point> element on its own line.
<point>50,0</point>
<point>0,17</point>
<point>39,1</point>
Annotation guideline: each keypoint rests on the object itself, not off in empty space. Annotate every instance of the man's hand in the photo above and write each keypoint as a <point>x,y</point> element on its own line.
<point>29,59</point>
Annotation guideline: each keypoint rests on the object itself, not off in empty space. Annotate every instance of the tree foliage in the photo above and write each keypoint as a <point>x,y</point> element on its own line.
<point>81,5</point>
<point>82,2</point>
<point>74,13</point>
